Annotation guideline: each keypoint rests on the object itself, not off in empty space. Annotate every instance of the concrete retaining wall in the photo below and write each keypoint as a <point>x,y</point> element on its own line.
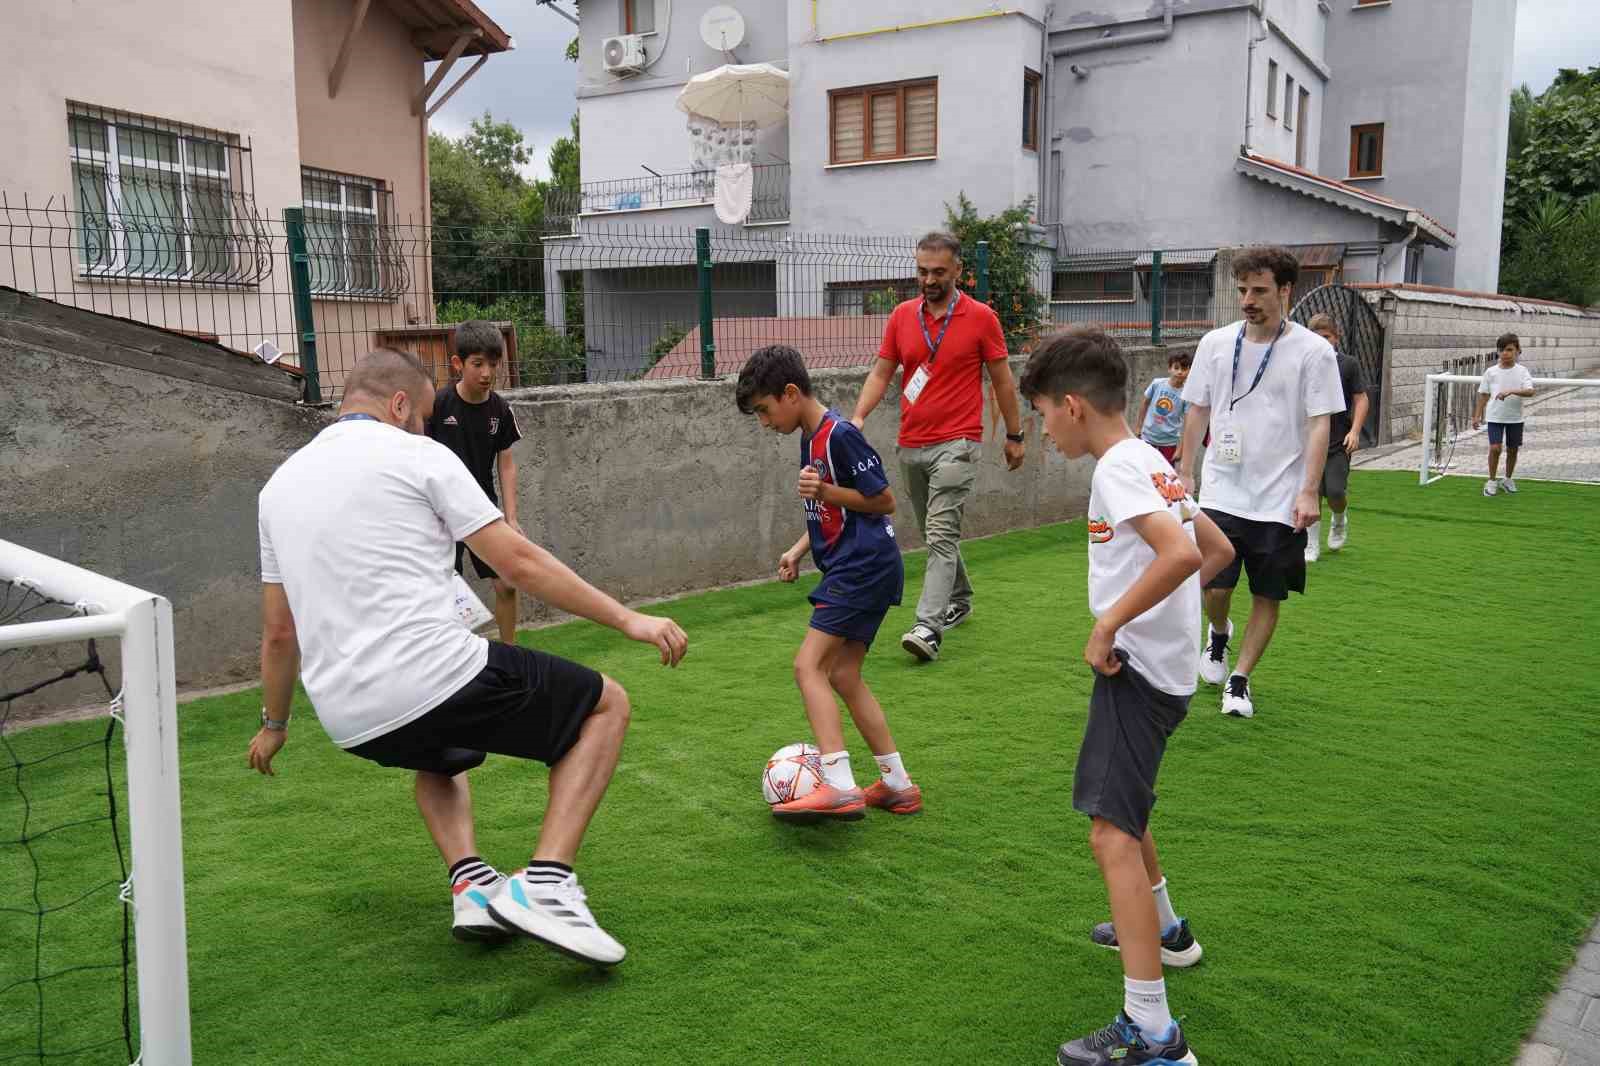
<point>646,488</point>
<point>1424,329</point>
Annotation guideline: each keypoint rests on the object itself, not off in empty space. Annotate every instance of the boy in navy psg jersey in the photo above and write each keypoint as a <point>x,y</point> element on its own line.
<point>848,504</point>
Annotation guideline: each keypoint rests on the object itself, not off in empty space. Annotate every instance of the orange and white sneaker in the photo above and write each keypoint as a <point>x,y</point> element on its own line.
<point>906,800</point>
<point>824,801</point>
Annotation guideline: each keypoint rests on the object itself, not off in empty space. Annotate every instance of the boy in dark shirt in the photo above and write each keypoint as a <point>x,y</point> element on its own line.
<point>476,423</point>
<point>848,504</point>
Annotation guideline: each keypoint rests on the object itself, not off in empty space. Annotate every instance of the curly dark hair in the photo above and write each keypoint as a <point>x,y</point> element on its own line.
<point>1084,360</point>
<point>1281,262</point>
<point>768,372</point>
<point>1507,338</point>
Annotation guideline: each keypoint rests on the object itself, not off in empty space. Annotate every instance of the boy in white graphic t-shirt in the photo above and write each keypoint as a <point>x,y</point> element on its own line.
<point>1500,396</point>
<point>1150,549</point>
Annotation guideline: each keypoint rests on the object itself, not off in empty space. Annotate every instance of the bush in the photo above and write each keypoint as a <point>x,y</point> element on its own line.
<point>545,356</point>
<point>1553,255</point>
<point>1013,264</point>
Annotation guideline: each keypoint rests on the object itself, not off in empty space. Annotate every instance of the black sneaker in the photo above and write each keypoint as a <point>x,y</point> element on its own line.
<point>922,642</point>
<point>1122,1044</point>
<point>1178,948</point>
<point>955,614</point>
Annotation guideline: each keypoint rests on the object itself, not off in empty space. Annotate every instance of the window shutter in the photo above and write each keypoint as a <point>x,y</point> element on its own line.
<point>885,125</point>
<point>922,119</point>
<point>849,128</point>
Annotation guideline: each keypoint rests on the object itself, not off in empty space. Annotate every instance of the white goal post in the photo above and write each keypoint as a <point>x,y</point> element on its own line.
<point>142,622</point>
<point>1569,406</point>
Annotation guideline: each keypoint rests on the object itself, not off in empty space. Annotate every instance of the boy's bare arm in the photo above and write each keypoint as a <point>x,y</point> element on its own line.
<point>506,469</point>
<point>1477,413</point>
<point>1177,559</point>
<point>1144,408</point>
<point>1216,551</point>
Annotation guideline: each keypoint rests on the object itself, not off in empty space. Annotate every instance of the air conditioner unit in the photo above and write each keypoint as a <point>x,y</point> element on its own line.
<point>623,55</point>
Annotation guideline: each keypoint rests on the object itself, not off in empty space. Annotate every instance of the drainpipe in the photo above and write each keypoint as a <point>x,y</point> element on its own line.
<point>1256,8</point>
<point>1047,87</point>
<point>1142,37</point>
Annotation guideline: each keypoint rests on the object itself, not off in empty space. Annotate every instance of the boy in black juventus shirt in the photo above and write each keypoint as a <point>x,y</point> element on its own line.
<point>476,423</point>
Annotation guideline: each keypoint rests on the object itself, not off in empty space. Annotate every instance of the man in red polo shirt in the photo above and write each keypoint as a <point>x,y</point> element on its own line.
<point>942,342</point>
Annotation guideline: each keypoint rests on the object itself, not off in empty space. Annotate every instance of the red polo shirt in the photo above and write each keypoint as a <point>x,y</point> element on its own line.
<point>951,404</point>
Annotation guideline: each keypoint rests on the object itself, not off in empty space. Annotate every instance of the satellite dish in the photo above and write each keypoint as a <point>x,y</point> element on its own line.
<point>722,28</point>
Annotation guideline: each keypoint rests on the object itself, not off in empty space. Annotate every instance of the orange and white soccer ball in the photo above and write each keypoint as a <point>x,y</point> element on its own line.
<point>792,772</point>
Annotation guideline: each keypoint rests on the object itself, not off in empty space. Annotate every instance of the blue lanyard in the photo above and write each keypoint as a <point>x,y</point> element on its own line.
<point>922,320</point>
<point>1238,346</point>
<point>357,418</point>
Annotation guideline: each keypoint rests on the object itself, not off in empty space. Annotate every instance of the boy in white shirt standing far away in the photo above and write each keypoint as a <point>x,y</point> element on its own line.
<point>1500,397</point>
<point>1264,387</point>
<point>1148,541</point>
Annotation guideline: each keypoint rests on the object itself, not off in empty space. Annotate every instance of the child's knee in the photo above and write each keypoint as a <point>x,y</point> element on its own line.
<point>1111,844</point>
<point>844,676</point>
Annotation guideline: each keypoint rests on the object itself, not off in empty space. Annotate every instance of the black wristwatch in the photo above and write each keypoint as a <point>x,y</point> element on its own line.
<point>1015,438</point>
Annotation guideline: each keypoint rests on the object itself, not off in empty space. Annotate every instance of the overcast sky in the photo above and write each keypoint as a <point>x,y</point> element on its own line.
<point>533,85</point>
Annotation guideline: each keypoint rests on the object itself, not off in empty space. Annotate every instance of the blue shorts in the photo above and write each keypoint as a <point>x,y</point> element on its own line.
<point>851,623</point>
<point>1511,431</point>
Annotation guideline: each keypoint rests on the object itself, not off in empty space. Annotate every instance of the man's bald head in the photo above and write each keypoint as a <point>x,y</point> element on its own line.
<point>382,376</point>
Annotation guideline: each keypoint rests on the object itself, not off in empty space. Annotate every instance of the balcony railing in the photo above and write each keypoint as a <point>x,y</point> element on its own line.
<point>654,192</point>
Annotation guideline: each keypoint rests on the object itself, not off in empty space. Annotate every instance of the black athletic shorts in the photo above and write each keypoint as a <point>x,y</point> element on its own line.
<point>1272,554</point>
<point>484,569</point>
<point>1129,723</point>
<point>1336,474</point>
<point>524,703</point>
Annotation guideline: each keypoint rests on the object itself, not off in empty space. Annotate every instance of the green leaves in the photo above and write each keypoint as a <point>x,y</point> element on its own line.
<point>1553,161</point>
<point>1014,263</point>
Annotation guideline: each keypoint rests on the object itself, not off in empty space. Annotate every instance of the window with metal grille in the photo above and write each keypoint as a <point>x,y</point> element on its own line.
<point>348,233</point>
<point>1099,285</point>
<point>881,122</point>
<point>161,200</point>
<point>869,297</point>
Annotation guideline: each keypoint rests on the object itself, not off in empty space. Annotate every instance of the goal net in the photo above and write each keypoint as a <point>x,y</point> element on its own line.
<point>90,838</point>
<point>1561,435</point>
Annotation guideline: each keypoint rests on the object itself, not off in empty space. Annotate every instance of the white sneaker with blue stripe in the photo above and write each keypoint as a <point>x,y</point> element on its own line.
<point>557,915</point>
<point>473,923</point>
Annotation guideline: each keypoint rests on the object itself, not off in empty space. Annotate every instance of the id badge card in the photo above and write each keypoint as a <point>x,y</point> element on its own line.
<point>918,382</point>
<point>1228,446</point>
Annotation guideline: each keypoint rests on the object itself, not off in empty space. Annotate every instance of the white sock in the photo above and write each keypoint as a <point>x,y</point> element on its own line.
<point>1168,917</point>
<point>1339,519</point>
<point>893,771</point>
<point>1313,531</point>
<point>836,770</point>
<point>1145,1004</point>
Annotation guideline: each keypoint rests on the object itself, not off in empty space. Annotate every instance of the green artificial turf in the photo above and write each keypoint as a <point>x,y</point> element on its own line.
<point>1392,863</point>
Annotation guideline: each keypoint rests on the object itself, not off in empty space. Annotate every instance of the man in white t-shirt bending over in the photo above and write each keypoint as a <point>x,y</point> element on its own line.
<point>1264,387</point>
<point>358,533</point>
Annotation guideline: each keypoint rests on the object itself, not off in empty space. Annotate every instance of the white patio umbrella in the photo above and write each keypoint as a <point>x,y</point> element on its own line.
<point>738,93</point>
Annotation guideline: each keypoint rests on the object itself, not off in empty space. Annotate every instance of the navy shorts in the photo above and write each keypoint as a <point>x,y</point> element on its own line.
<point>1510,432</point>
<point>851,623</point>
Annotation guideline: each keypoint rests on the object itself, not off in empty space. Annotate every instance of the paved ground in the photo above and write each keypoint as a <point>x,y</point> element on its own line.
<point>1569,1032</point>
<point>1562,440</point>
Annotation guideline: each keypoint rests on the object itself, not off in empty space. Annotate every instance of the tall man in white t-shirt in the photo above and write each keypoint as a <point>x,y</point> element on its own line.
<point>1264,387</point>
<point>358,532</point>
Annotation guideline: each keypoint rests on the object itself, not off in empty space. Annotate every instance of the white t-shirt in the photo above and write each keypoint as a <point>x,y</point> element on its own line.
<point>359,527</point>
<point>1498,379</point>
<point>1130,480</point>
<point>1301,381</point>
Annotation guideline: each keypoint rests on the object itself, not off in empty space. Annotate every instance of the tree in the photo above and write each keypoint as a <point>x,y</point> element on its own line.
<point>1555,256</point>
<point>1014,262</point>
<point>1552,168</point>
<point>1557,148</point>
<point>499,149</point>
